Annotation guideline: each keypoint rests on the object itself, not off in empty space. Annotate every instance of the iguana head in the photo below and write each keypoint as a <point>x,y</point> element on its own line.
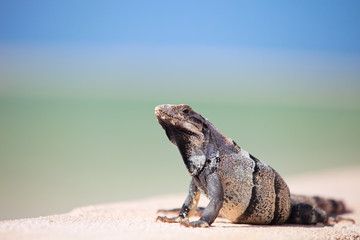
<point>188,130</point>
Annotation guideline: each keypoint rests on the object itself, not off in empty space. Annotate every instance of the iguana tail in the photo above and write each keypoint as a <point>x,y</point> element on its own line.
<point>330,206</point>
<point>312,210</point>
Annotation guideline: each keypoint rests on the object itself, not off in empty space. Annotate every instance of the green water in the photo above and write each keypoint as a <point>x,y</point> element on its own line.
<point>60,153</point>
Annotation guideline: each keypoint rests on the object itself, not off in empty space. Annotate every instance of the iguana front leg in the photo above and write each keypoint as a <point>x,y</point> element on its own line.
<point>216,195</point>
<point>187,209</point>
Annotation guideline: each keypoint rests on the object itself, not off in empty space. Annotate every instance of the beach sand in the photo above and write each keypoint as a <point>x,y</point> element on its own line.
<point>136,219</point>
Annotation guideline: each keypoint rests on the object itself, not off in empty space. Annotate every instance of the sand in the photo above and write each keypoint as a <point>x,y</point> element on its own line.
<point>136,219</point>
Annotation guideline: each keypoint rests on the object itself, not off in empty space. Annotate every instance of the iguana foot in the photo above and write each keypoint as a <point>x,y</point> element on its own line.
<point>168,220</point>
<point>176,211</point>
<point>196,224</point>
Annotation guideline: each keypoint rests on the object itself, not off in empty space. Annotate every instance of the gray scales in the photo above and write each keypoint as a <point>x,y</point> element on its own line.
<point>239,186</point>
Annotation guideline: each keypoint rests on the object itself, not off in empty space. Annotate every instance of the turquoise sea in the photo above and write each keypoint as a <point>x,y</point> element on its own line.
<point>57,153</point>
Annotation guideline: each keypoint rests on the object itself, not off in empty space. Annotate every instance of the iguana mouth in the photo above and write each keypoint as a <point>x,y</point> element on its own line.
<point>162,112</point>
<point>168,117</point>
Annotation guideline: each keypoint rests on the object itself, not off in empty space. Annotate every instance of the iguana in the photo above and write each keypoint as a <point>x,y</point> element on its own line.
<point>239,186</point>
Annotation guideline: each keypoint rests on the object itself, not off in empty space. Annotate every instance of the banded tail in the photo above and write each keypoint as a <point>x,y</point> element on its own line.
<point>313,209</point>
<point>330,206</point>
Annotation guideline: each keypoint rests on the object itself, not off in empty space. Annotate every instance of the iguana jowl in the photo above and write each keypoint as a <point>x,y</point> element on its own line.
<point>239,186</point>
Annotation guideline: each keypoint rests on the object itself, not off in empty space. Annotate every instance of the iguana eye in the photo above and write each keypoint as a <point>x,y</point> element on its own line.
<point>186,110</point>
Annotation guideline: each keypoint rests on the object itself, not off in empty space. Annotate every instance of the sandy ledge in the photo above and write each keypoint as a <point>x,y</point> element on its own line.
<point>135,219</point>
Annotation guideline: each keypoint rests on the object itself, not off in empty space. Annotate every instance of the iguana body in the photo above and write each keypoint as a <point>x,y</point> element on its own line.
<point>239,186</point>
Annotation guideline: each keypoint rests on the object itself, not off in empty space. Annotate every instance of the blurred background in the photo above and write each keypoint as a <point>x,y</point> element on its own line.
<point>79,81</point>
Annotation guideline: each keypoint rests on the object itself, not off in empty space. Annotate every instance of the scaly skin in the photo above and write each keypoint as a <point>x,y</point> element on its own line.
<point>239,186</point>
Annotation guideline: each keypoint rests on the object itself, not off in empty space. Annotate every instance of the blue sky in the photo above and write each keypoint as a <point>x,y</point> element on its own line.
<point>331,26</point>
<point>269,46</point>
